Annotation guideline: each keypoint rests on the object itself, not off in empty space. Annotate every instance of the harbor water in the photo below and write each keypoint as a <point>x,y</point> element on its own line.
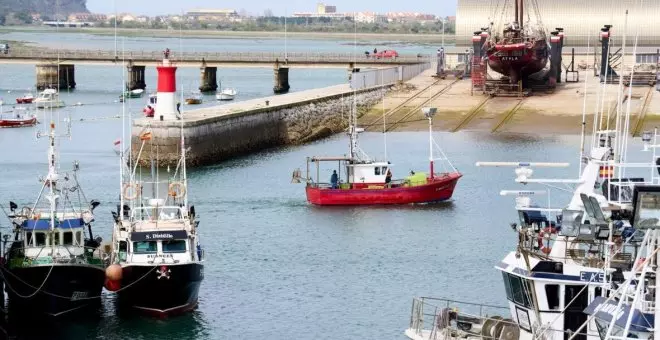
<point>276,267</point>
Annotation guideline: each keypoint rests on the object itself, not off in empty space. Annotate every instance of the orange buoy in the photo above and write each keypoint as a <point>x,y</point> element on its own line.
<point>546,250</point>
<point>113,272</point>
<point>112,285</point>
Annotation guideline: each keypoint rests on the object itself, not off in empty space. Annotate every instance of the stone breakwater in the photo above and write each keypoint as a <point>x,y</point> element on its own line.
<point>219,133</point>
<point>320,119</point>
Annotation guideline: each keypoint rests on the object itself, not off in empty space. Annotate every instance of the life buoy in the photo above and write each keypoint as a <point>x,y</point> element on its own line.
<point>130,191</point>
<point>545,233</point>
<point>176,189</point>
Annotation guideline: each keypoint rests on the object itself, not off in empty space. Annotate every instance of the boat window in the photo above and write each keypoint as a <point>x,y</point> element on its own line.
<point>507,286</point>
<point>384,170</point>
<point>144,247</point>
<point>40,239</point>
<point>174,246</point>
<point>28,239</point>
<point>79,238</point>
<point>54,239</point>
<point>377,171</point>
<point>67,238</point>
<point>520,290</point>
<point>552,293</point>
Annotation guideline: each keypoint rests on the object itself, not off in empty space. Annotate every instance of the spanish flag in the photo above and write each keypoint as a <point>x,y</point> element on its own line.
<point>606,171</point>
<point>145,136</point>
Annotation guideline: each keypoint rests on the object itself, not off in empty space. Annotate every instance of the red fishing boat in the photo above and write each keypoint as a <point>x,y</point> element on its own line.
<point>18,120</point>
<point>367,182</point>
<point>26,99</point>
<point>521,50</point>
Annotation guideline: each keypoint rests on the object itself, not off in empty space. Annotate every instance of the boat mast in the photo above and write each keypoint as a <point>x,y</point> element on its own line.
<point>51,179</point>
<point>352,132</point>
<point>517,10</point>
<point>522,10</point>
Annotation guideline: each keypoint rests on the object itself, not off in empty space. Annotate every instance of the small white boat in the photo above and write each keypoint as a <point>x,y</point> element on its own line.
<point>226,94</point>
<point>48,99</point>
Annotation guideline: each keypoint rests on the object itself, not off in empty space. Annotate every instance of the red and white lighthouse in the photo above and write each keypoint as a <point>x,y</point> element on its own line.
<point>166,95</point>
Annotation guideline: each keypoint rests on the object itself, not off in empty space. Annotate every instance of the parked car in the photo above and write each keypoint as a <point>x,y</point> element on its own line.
<point>4,48</point>
<point>386,54</point>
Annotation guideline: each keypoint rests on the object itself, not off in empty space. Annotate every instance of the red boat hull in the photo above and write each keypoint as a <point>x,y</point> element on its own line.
<point>518,61</point>
<point>24,100</point>
<point>9,123</point>
<point>438,189</point>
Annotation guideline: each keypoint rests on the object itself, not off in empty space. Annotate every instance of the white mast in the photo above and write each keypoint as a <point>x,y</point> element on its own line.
<point>352,129</point>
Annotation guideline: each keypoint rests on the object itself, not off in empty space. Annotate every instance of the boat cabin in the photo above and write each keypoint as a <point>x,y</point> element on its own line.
<point>47,95</point>
<point>159,234</point>
<point>37,242</point>
<point>350,174</point>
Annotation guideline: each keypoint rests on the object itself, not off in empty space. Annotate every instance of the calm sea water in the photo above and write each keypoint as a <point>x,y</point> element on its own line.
<point>278,268</point>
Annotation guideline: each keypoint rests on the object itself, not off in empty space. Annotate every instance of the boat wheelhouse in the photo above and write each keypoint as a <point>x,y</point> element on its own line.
<point>49,99</point>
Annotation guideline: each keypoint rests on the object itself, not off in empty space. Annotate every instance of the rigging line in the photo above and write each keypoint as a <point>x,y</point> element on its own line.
<point>37,290</point>
<point>624,144</point>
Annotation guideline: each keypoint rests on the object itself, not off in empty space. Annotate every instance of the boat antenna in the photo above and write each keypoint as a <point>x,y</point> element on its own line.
<point>626,128</point>
<point>123,128</point>
<point>584,116</point>
<point>114,4</point>
<point>286,44</point>
<point>183,140</point>
<point>382,92</point>
<point>353,120</point>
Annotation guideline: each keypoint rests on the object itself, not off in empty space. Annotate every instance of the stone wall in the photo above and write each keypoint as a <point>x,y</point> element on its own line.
<point>218,138</point>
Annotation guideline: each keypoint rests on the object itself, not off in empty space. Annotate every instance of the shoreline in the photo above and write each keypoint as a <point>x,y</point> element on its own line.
<point>212,34</point>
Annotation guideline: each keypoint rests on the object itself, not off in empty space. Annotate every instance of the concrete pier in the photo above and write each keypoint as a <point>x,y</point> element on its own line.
<point>208,78</point>
<point>281,79</point>
<point>60,76</point>
<point>218,133</point>
<point>135,77</point>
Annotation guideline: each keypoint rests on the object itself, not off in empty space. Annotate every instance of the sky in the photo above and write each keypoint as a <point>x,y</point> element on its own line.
<point>257,7</point>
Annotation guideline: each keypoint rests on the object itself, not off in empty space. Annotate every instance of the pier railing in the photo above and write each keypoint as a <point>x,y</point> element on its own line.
<point>236,57</point>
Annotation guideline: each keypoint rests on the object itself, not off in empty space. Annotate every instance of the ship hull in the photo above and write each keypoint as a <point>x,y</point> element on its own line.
<point>438,189</point>
<point>12,123</point>
<point>161,290</point>
<point>67,288</point>
<point>518,61</point>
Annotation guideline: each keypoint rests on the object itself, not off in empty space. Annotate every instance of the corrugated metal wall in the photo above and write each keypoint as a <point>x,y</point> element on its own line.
<point>581,19</point>
<point>386,76</point>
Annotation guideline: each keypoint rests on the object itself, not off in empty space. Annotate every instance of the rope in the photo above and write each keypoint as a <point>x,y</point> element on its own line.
<point>60,296</point>
<point>36,289</point>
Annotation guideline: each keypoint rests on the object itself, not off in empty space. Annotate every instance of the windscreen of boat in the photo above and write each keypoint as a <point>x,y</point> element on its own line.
<point>571,220</point>
<point>174,246</point>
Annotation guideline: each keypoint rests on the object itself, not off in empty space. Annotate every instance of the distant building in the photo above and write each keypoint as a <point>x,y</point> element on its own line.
<point>78,17</point>
<point>330,9</point>
<point>320,8</point>
<point>213,14</point>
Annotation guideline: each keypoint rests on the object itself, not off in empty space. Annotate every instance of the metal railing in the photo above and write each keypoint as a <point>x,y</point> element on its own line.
<point>246,57</point>
<point>426,311</point>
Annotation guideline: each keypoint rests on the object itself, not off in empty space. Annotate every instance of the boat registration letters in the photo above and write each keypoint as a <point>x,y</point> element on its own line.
<point>592,276</point>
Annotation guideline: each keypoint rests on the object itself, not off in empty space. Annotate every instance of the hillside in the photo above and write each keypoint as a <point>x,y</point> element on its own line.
<point>44,7</point>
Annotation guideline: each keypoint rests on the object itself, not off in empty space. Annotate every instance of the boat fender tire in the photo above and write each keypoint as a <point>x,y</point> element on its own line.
<point>130,191</point>
<point>176,189</point>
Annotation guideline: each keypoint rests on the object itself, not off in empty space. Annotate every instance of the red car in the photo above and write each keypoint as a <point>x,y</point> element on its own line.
<point>386,54</point>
